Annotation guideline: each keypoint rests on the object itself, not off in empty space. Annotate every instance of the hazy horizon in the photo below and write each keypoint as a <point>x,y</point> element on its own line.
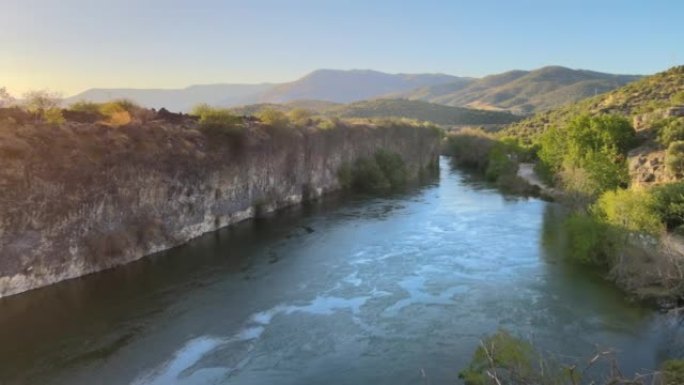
<point>73,45</point>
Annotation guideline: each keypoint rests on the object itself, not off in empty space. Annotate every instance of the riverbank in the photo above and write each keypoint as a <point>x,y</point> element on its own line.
<point>84,197</point>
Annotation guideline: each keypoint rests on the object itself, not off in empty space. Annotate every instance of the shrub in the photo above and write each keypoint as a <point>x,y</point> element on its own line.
<point>668,203</point>
<point>6,99</point>
<point>674,158</point>
<point>588,147</point>
<point>678,98</point>
<point>85,106</point>
<point>383,171</point>
<point>672,372</point>
<point>41,100</point>
<point>53,116</point>
<point>368,176</point>
<point>218,120</point>
<point>274,118</point>
<point>393,167</point>
<point>588,239</point>
<point>329,124</point>
<point>632,210</point>
<point>470,148</point>
<point>670,130</point>
<point>509,357</point>
<point>300,116</point>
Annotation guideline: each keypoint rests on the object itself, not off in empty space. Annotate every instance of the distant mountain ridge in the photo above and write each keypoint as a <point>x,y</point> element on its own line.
<point>350,86</point>
<point>517,91</point>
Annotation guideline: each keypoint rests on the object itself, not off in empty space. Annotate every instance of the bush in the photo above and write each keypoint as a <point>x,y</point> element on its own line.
<point>588,239</point>
<point>41,100</point>
<point>273,118</point>
<point>218,120</point>
<point>393,167</point>
<point>678,98</point>
<point>53,116</point>
<point>588,155</point>
<point>670,130</point>
<point>674,158</point>
<point>369,177</point>
<point>668,203</point>
<point>672,372</point>
<point>471,148</point>
<point>85,106</point>
<point>384,171</point>
<point>632,210</point>
<point>300,116</point>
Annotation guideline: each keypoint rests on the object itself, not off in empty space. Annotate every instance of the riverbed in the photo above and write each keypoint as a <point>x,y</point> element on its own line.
<point>346,290</point>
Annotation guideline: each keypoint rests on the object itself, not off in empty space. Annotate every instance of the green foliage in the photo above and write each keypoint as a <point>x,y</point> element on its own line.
<point>41,100</point>
<point>631,210</point>
<point>678,98</point>
<point>471,148</point>
<point>503,359</point>
<point>273,118</point>
<point>588,239</point>
<point>674,158</point>
<point>300,116</point>
<point>369,177</point>
<point>670,130</point>
<point>672,372</point>
<point>85,106</point>
<point>589,153</point>
<point>53,116</point>
<point>393,168</point>
<point>218,120</point>
<point>329,123</point>
<point>642,95</point>
<point>423,111</point>
<point>668,203</point>
<point>385,170</point>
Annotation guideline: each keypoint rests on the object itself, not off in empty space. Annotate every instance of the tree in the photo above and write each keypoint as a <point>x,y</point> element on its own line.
<point>274,118</point>
<point>300,116</point>
<point>39,101</point>
<point>6,99</point>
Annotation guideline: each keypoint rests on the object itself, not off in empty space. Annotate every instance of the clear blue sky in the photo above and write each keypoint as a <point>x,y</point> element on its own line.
<point>71,45</point>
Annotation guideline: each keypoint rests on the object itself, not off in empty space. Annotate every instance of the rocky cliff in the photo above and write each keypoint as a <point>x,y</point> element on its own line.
<point>80,198</point>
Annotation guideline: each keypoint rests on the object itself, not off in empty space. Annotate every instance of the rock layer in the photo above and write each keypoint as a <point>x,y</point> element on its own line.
<point>82,198</point>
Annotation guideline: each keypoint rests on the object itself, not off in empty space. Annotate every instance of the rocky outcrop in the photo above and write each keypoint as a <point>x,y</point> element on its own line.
<point>81,198</point>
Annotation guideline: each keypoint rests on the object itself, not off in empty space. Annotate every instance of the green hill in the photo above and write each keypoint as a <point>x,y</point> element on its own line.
<point>522,92</point>
<point>656,92</point>
<point>420,110</point>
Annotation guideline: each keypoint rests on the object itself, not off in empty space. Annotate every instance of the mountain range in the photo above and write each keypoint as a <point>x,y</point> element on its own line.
<point>521,92</point>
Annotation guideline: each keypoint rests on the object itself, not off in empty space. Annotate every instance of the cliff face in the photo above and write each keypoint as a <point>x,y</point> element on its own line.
<point>81,198</point>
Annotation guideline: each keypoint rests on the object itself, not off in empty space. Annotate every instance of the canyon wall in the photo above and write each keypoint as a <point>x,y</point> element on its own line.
<point>81,198</point>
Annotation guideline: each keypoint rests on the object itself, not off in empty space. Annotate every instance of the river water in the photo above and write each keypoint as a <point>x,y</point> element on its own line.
<point>392,290</point>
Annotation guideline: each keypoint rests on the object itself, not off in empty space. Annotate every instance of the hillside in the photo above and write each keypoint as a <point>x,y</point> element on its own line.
<point>641,97</point>
<point>420,110</point>
<point>522,92</point>
<point>392,108</point>
<point>349,86</point>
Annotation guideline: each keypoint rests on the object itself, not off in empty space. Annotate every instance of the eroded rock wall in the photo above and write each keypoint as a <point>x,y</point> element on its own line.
<point>82,198</point>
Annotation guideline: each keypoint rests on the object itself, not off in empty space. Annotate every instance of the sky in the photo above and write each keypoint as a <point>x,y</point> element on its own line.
<point>71,45</point>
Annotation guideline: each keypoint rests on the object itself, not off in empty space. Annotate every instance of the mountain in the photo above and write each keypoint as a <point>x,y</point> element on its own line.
<point>354,85</point>
<point>522,92</point>
<point>178,99</point>
<point>651,93</point>
<point>392,108</point>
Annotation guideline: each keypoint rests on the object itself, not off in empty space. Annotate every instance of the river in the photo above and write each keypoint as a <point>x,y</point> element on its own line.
<point>392,290</point>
